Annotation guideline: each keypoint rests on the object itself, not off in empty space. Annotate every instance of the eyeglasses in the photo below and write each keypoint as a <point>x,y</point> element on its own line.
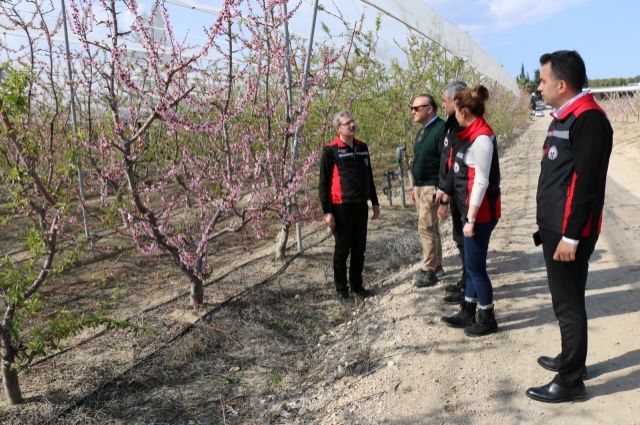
<point>348,123</point>
<point>417,108</point>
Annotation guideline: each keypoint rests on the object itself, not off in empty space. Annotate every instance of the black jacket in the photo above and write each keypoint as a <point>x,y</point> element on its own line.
<point>573,174</point>
<point>450,147</point>
<point>345,175</point>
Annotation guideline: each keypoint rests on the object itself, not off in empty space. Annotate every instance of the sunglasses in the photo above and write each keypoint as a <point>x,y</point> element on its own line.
<point>417,108</point>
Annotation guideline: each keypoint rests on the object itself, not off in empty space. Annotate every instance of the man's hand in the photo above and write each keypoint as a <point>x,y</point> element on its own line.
<point>376,212</point>
<point>442,208</point>
<point>329,221</point>
<point>442,212</point>
<point>414,194</point>
<point>438,198</point>
<point>565,252</point>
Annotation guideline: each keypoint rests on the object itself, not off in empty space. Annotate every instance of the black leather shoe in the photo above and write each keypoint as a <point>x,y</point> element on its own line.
<point>554,393</point>
<point>361,293</point>
<point>345,299</point>
<point>550,363</point>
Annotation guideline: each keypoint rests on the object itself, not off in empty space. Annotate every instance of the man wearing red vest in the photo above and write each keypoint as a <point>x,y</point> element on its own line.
<point>570,198</point>
<point>346,184</point>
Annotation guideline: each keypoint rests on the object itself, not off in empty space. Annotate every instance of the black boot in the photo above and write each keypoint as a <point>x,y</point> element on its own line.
<point>459,285</point>
<point>454,298</point>
<point>465,317</point>
<point>485,323</point>
<point>455,287</point>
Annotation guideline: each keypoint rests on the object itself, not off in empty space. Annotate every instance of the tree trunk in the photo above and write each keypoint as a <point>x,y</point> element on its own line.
<point>9,375</point>
<point>281,242</point>
<point>197,293</point>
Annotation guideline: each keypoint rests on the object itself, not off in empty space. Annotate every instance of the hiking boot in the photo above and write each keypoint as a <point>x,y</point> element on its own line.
<point>440,271</point>
<point>465,317</point>
<point>485,323</point>
<point>454,298</point>
<point>345,299</point>
<point>423,278</point>
<point>455,287</point>
<point>361,292</point>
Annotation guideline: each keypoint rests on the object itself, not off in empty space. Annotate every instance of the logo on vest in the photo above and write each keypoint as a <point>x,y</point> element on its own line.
<point>446,142</point>
<point>553,153</point>
<point>456,167</point>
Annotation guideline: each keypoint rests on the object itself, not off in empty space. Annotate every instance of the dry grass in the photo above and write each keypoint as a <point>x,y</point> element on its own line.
<point>406,245</point>
<point>247,364</point>
<point>622,108</point>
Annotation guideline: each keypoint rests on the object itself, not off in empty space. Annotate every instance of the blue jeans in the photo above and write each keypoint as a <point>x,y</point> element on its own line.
<point>478,285</point>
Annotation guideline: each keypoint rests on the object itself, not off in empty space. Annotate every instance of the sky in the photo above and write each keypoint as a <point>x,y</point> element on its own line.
<point>513,32</point>
<point>606,34</point>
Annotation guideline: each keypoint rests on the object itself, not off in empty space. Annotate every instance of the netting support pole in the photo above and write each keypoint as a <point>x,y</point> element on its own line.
<point>74,121</point>
<point>305,76</point>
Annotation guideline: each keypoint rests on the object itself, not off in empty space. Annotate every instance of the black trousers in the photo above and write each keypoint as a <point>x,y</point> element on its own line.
<point>458,236</point>
<point>567,283</point>
<point>351,239</point>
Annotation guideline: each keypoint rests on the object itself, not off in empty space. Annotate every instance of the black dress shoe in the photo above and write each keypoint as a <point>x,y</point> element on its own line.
<point>361,293</point>
<point>551,363</point>
<point>554,393</point>
<point>345,299</point>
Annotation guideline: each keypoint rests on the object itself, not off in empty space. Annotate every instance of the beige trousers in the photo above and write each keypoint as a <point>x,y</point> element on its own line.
<point>428,228</point>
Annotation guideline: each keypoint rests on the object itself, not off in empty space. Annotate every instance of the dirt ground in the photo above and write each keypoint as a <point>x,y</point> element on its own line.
<point>282,350</point>
<point>436,375</point>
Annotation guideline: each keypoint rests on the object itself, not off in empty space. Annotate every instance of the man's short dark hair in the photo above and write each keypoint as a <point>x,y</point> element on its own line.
<point>432,101</point>
<point>567,65</point>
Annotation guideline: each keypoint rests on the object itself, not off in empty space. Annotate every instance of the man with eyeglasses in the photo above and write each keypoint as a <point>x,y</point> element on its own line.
<point>346,184</point>
<point>427,150</point>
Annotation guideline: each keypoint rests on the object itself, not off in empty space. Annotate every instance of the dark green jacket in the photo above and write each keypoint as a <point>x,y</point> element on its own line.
<point>427,149</point>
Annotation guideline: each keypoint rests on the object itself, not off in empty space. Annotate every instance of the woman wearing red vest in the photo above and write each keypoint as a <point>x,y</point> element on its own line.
<point>477,195</point>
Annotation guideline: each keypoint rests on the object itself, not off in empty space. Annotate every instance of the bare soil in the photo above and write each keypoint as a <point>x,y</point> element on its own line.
<point>272,345</point>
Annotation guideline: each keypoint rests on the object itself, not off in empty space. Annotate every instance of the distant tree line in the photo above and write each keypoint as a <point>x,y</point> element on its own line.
<point>530,85</point>
<point>613,82</point>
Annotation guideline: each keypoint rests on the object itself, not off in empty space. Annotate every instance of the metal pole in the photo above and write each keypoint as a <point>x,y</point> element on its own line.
<point>287,40</point>
<point>74,120</point>
<point>296,135</point>
<point>388,189</point>
<point>400,157</point>
<point>445,67</point>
